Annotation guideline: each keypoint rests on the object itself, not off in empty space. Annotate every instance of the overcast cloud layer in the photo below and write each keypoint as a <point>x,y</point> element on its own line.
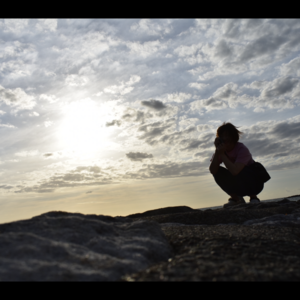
<point>142,99</point>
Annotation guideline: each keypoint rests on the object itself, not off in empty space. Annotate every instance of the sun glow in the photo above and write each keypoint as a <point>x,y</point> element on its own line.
<point>83,128</point>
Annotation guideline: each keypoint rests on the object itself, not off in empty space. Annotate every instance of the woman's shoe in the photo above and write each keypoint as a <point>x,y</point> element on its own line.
<point>254,200</point>
<point>232,202</point>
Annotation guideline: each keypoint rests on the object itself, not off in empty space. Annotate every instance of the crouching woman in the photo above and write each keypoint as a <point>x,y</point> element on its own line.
<point>242,175</point>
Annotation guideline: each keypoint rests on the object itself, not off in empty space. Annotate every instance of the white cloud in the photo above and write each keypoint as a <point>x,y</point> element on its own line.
<point>48,123</point>
<point>34,114</point>
<point>16,98</point>
<point>198,85</point>
<point>228,93</point>
<point>279,87</point>
<point>46,24</point>
<point>27,153</point>
<point>178,97</point>
<point>146,26</point>
<point>145,49</point>
<point>183,51</point>
<point>258,110</point>
<point>292,68</point>
<point>186,123</point>
<point>49,98</point>
<point>208,104</point>
<point>123,88</point>
<point>204,127</point>
<point>7,125</point>
<point>15,25</point>
<point>76,80</point>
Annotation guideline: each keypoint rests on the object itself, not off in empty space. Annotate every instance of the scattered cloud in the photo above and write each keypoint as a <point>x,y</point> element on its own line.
<point>113,122</point>
<point>138,156</point>
<point>154,104</point>
<point>123,88</point>
<point>16,98</point>
<point>191,73</point>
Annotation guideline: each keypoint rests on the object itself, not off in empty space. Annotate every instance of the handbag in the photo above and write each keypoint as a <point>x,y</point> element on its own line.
<point>262,173</point>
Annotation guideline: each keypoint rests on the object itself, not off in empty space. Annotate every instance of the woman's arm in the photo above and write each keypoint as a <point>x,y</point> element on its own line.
<point>233,168</point>
<point>214,166</point>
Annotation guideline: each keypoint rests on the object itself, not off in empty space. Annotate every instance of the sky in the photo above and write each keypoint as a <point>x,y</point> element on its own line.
<point>119,116</point>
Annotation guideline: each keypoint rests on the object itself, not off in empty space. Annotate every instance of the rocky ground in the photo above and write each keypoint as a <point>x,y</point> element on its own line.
<point>247,242</point>
<point>262,245</point>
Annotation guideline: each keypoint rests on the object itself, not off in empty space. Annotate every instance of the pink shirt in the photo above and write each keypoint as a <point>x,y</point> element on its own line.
<point>240,153</point>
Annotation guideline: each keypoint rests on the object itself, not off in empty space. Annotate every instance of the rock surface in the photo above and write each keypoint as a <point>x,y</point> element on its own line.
<point>163,211</point>
<point>215,245</point>
<point>63,246</point>
<point>246,242</point>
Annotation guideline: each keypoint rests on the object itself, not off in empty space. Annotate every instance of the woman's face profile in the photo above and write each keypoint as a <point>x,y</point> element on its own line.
<point>229,144</point>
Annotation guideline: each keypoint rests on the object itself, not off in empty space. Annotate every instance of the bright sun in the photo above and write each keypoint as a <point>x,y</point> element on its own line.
<point>83,129</point>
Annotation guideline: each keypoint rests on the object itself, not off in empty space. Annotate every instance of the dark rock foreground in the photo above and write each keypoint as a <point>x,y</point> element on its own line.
<point>218,245</point>
<point>59,246</point>
<point>248,242</point>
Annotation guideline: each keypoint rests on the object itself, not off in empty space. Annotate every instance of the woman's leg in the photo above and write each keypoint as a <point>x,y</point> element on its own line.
<point>243,184</point>
<point>247,183</point>
<point>226,181</point>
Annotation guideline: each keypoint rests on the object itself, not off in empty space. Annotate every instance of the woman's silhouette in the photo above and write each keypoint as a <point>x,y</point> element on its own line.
<point>241,178</point>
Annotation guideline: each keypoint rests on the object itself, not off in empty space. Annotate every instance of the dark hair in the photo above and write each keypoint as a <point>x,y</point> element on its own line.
<point>231,130</point>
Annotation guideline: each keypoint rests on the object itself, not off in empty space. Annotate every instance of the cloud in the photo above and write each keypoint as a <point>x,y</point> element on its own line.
<point>168,137</point>
<point>146,26</point>
<point>154,130</point>
<point>49,98</point>
<point>113,122</point>
<point>16,98</point>
<point>138,156</point>
<point>48,123</point>
<point>286,130</point>
<point>187,122</point>
<point>76,80</point>
<point>197,70</point>
<point>46,25</point>
<point>27,153</point>
<point>222,49</point>
<point>133,115</point>
<point>205,141</point>
<point>198,85</point>
<point>169,170</point>
<point>204,127</point>
<point>282,93</point>
<point>145,49</point>
<point>292,68</point>
<point>178,97</point>
<point>6,187</point>
<point>123,88</point>
<point>208,104</point>
<point>262,46</point>
<point>7,125</point>
<point>154,104</point>
<point>280,86</point>
<point>228,93</point>
<point>90,169</point>
<point>184,51</point>
<point>15,25</point>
